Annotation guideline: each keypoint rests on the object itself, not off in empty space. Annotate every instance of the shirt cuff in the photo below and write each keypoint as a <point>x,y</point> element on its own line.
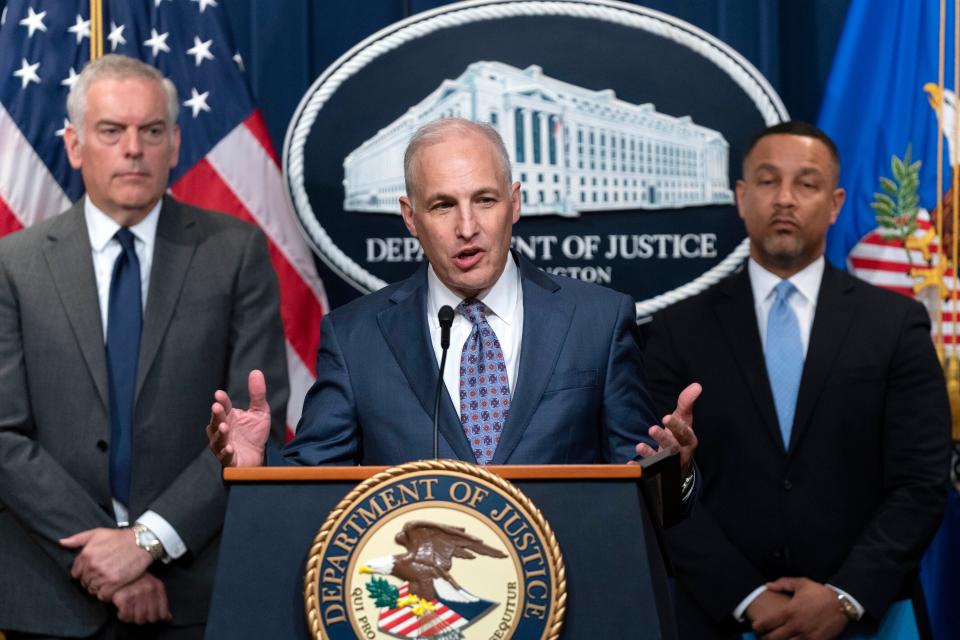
<point>741,609</point>
<point>120,513</point>
<point>166,534</point>
<point>857,605</point>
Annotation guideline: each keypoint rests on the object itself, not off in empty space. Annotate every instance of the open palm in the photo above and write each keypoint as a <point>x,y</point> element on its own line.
<point>238,437</point>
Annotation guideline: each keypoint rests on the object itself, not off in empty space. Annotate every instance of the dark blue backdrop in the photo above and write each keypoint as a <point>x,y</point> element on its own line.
<point>287,44</point>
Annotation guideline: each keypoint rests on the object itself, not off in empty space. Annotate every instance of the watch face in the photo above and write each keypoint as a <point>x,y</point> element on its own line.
<point>848,608</point>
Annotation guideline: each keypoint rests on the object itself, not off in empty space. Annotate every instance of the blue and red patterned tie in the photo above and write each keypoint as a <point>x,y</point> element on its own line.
<point>484,386</point>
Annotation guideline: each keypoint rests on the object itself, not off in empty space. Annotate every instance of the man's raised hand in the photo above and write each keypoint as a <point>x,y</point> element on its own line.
<point>239,437</point>
<point>677,433</point>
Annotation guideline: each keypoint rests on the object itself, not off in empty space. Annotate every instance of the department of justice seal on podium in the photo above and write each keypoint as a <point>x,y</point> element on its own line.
<point>435,549</point>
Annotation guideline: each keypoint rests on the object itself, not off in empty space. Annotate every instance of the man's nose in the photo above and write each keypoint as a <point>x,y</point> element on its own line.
<point>785,196</point>
<point>466,222</point>
<point>132,145</point>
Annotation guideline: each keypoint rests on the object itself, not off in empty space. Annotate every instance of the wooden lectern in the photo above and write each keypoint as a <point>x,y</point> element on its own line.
<point>616,579</point>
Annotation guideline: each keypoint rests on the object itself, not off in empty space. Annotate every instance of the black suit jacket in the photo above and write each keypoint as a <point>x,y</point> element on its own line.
<point>858,494</point>
<point>211,316</point>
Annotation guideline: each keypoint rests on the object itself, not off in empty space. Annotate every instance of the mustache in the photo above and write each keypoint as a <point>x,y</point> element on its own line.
<point>781,217</point>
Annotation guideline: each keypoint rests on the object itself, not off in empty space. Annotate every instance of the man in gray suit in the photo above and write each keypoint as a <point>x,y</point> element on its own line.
<point>118,319</point>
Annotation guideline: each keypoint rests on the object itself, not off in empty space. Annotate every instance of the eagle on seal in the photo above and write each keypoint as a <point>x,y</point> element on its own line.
<point>425,566</point>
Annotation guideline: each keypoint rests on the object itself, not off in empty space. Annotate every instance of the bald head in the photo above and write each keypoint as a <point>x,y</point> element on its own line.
<point>441,130</point>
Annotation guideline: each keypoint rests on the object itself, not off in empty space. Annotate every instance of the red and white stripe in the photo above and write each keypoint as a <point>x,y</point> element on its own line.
<point>240,176</point>
<point>884,262</point>
<point>28,192</point>
<point>404,623</point>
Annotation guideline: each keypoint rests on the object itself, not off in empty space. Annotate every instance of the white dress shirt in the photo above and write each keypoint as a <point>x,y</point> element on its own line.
<point>804,305</point>
<point>504,302</point>
<point>807,281</point>
<point>105,249</point>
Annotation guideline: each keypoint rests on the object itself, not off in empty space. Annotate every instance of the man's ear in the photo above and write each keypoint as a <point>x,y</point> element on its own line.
<point>839,196</point>
<point>175,153</point>
<point>409,220</point>
<point>515,201</point>
<point>71,141</point>
<point>741,187</point>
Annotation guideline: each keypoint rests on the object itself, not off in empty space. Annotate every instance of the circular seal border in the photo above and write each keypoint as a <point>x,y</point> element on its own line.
<point>741,71</point>
<point>315,555</point>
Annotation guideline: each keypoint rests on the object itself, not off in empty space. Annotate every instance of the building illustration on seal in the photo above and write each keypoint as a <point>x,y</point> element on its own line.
<point>573,150</point>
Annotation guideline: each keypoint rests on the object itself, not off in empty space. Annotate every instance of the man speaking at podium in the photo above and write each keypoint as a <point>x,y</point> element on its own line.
<point>563,383</point>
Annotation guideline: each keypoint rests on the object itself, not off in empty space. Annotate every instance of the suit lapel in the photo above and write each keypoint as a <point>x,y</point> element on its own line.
<point>406,331</point>
<point>738,320</point>
<point>173,250</point>
<point>546,320</point>
<point>831,322</point>
<point>68,256</point>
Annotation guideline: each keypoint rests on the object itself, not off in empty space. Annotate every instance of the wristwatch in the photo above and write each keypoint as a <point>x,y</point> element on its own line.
<point>849,609</point>
<point>687,483</point>
<point>148,541</point>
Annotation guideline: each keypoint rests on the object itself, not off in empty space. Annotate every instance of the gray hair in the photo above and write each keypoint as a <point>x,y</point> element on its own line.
<point>438,131</point>
<point>114,66</point>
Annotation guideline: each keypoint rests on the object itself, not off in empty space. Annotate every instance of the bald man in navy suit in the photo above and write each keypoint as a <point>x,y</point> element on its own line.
<point>574,387</point>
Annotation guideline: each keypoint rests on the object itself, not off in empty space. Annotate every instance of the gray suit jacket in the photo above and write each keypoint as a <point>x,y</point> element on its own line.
<point>212,315</point>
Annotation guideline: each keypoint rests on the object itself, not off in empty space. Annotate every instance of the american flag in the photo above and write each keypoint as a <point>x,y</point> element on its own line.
<point>227,161</point>
<point>885,262</point>
<point>403,623</point>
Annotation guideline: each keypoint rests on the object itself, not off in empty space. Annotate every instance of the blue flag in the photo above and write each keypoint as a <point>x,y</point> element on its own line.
<point>880,101</point>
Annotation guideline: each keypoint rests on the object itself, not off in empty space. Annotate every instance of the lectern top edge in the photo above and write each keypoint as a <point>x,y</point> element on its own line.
<point>509,472</point>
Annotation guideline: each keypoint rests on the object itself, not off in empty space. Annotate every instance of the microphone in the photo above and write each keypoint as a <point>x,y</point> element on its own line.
<point>445,316</point>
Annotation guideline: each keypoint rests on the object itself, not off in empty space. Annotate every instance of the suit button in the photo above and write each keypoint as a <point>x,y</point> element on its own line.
<point>102,445</point>
<point>787,484</point>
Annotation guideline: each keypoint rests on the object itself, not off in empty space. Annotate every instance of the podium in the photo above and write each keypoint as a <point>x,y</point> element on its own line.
<point>616,581</point>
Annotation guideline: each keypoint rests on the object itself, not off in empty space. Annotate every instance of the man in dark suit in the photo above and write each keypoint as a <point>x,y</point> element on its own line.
<point>823,426</point>
<point>118,319</point>
<point>564,380</point>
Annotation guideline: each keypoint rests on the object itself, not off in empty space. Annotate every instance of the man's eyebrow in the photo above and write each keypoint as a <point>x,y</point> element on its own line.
<point>442,195</point>
<point>113,123</point>
<point>439,195</point>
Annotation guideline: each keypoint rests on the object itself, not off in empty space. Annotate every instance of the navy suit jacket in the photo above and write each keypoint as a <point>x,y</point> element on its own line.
<point>579,396</point>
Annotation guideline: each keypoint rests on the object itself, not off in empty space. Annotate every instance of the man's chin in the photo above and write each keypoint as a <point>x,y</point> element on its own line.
<point>469,287</point>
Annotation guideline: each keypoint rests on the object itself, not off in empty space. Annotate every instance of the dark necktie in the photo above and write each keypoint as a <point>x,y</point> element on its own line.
<point>484,385</point>
<point>124,321</point>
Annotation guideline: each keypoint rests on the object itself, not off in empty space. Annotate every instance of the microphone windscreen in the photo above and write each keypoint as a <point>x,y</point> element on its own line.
<point>445,316</point>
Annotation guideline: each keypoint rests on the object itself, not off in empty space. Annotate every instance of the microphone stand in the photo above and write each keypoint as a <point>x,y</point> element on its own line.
<point>445,316</point>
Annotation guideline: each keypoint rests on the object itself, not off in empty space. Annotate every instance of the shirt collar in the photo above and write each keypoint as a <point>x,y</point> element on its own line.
<point>102,227</point>
<point>807,280</point>
<point>500,299</point>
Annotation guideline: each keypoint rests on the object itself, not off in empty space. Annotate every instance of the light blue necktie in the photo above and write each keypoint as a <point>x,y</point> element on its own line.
<point>784,356</point>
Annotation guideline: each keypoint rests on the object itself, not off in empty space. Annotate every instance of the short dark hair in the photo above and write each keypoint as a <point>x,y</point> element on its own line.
<point>796,128</point>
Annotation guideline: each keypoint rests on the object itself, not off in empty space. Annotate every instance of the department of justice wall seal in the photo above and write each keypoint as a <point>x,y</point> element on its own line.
<point>625,127</point>
<point>435,549</point>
